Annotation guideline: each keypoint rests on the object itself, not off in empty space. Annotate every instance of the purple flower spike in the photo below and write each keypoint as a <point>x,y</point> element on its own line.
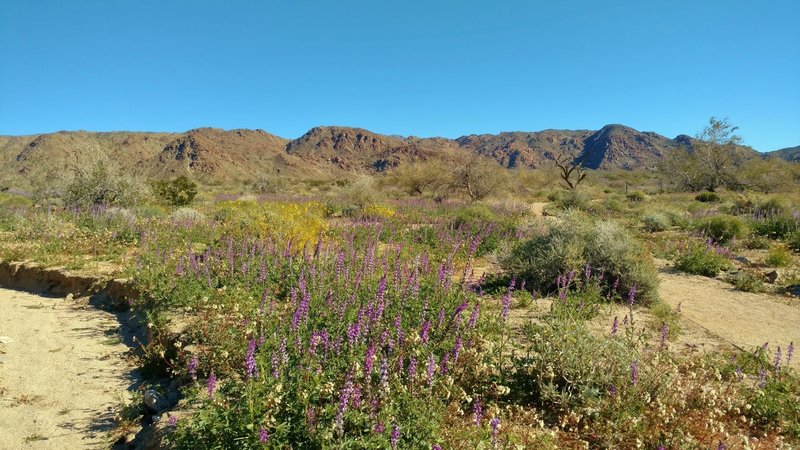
<point>495,424</point>
<point>632,295</point>
<point>477,411</point>
<point>614,326</point>
<point>394,438</point>
<point>172,420</point>
<point>250,359</point>
<point>777,361</point>
<point>263,436</point>
<point>634,372</point>
<point>212,385</point>
<point>789,352</point>
<point>193,365</point>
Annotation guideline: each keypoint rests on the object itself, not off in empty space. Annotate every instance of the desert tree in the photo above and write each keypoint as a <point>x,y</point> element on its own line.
<point>710,161</point>
<point>569,166</point>
<point>476,176</point>
<point>420,178</point>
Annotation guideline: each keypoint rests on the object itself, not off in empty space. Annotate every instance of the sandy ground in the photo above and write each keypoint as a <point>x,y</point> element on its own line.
<point>739,318</point>
<point>62,369</point>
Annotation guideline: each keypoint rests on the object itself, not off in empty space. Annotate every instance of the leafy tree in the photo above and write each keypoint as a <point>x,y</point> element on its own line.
<point>177,192</point>
<point>477,177</point>
<point>99,187</point>
<point>710,162</point>
<point>421,178</point>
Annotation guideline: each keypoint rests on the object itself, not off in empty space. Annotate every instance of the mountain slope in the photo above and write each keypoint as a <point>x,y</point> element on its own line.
<point>788,153</point>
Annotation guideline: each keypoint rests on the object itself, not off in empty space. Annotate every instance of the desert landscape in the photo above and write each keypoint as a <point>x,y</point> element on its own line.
<point>399,225</point>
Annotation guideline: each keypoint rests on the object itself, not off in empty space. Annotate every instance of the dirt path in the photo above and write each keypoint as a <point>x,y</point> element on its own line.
<point>62,369</point>
<point>739,318</point>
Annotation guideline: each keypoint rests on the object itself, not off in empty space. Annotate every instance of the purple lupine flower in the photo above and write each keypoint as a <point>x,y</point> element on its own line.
<point>612,390</point>
<point>762,378</point>
<point>477,411</point>
<point>457,347</point>
<point>506,305</point>
<point>423,332</point>
<point>263,435</point>
<point>789,352</point>
<point>193,365</point>
<point>634,372</point>
<point>587,272</point>
<point>436,447</point>
<point>431,369</point>
<point>276,365</point>
<point>664,332</point>
<point>632,295</point>
<point>250,359</point>
<point>212,384</point>
<point>474,317</point>
<point>739,374</point>
<point>661,447</point>
<point>722,446</point>
<point>495,424</point>
<point>614,326</point>
<point>384,372</point>
<point>368,358</point>
<point>394,438</point>
<point>443,365</point>
<point>172,420</point>
<point>440,318</point>
<point>777,364</point>
<point>379,428</point>
<point>412,368</point>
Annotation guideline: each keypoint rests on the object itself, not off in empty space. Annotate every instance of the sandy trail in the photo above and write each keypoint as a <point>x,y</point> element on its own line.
<point>61,374</point>
<point>743,319</point>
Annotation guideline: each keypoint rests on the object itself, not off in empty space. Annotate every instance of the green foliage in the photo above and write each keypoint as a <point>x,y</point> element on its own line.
<point>99,187</point>
<point>179,191</point>
<point>746,281</point>
<point>793,241</point>
<point>707,197</point>
<point>636,196</point>
<point>722,228</point>
<point>656,221</point>
<point>756,242</point>
<point>775,227</point>
<point>572,199</point>
<point>575,243</point>
<point>778,256</point>
<point>702,259</point>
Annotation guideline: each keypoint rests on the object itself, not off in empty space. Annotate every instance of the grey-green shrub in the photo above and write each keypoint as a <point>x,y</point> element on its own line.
<point>707,197</point>
<point>722,228</point>
<point>656,221</point>
<point>575,243</point>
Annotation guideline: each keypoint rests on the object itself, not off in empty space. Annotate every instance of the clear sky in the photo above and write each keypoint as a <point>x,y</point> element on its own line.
<point>424,68</point>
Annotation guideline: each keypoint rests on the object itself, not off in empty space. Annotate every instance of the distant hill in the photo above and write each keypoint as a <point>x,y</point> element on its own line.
<point>788,153</point>
<point>214,155</point>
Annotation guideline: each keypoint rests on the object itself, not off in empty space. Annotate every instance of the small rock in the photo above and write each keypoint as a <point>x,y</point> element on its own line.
<point>156,418</point>
<point>69,297</point>
<point>743,260</point>
<point>5,340</point>
<point>130,437</point>
<point>153,400</point>
<point>771,277</point>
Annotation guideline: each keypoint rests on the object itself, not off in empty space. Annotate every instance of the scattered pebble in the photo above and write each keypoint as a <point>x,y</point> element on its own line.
<point>5,340</point>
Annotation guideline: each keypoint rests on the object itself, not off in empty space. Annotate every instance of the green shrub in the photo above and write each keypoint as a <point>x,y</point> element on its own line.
<point>575,243</point>
<point>636,196</point>
<point>775,227</point>
<point>177,192</point>
<point>756,242</point>
<point>746,281</point>
<point>613,205</point>
<point>793,241</point>
<point>99,187</point>
<point>653,222</point>
<point>701,259</point>
<point>570,199</point>
<point>778,256</point>
<point>774,206</point>
<point>707,197</point>
<point>722,228</point>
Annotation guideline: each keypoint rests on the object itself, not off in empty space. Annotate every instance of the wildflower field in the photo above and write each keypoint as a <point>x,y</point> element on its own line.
<point>413,323</point>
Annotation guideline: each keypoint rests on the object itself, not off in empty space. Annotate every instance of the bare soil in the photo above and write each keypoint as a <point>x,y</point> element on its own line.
<point>64,367</point>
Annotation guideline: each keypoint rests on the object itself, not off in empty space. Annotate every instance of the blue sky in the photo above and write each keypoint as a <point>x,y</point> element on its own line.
<point>425,68</point>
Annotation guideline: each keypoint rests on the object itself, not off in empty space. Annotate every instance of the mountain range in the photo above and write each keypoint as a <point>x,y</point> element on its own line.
<point>216,155</point>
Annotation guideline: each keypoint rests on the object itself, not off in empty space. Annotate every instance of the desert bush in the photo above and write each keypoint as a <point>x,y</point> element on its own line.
<point>360,194</point>
<point>99,187</point>
<point>778,256</point>
<point>746,281</point>
<point>793,241</point>
<point>755,242</point>
<point>576,243</point>
<point>575,199</point>
<point>775,226</point>
<point>722,228</point>
<point>656,221</point>
<point>703,259</point>
<point>707,197</point>
<point>636,196</point>
<point>611,204</point>
<point>773,206</point>
<point>184,214</point>
<point>179,191</point>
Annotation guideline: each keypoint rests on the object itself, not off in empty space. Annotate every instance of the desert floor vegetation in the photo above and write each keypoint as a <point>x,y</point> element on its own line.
<point>422,312</point>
